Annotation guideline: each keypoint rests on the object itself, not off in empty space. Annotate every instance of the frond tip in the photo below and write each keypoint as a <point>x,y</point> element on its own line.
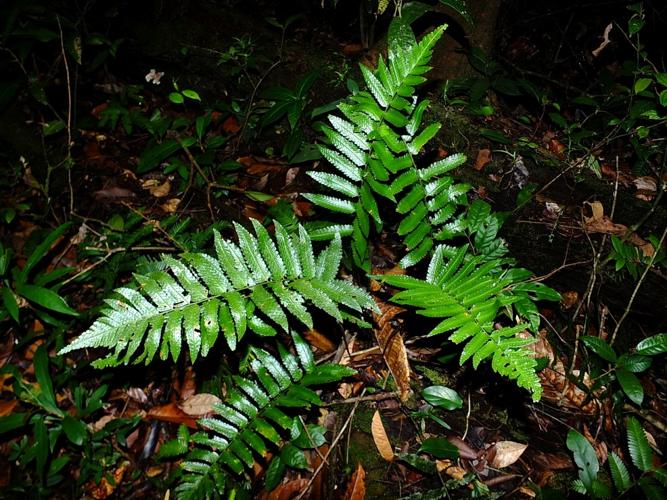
<point>257,285</point>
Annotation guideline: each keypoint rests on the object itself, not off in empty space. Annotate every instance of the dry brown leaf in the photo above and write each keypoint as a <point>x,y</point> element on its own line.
<point>381,439</point>
<point>392,346</point>
<point>605,41</point>
<point>98,425</point>
<point>200,404</point>
<point>7,407</point>
<point>356,487</point>
<point>483,157</point>
<point>231,125</point>
<point>286,491</point>
<point>172,413</point>
<point>137,394</point>
<point>453,471</point>
<point>319,340</point>
<point>171,205</point>
<point>345,389</point>
<point>558,389</point>
<point>597,211</point>
<point>291,175</point>
<point>155,188</point>
<point>106,488</point>
<point>570,298</point>
<point>506,453</point>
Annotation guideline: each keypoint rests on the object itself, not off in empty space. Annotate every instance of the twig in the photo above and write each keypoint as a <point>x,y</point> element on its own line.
<point>333,445</point>
<point>69,119</point>
<point>639,284</point>
<point>113,251</point>
<point>357,399</point>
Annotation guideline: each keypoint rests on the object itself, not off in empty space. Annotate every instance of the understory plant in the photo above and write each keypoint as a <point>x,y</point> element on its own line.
<point>268,286</point>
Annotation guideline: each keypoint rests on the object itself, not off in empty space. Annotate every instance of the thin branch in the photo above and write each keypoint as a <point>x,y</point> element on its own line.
<point>639,284</point>
<point>333,445</point>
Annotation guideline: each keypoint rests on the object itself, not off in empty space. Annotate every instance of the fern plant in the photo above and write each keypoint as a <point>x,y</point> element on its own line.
<point>652,479</point>
<point>467,293</point>
<point>253,286</point>
<point>251,419</point>
<point>374,149</point>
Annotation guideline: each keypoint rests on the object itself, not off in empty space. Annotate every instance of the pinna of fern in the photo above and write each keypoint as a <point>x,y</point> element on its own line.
<point>253,285</point>
<point>467,292</point>
<point>374,149</point>
<point>252,419</point>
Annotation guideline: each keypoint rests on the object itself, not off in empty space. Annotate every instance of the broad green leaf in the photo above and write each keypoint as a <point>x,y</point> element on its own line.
<point>75,430</point>
<point>600,347</point>
<point>630,385</point>
<point>584,457</point>
<point>657,344</point>
<point>439,448</point>
<point>442,397</point>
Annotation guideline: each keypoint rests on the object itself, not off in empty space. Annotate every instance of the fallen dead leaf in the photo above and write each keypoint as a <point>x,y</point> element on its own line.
<point>320,341</point>
<point>98,425</point>
<point>155,188</point>
<point>345,389</point>
<point>106,487</point>
<point>285,491</point>
<point>172,413</point>
<point>570,298</point>
<point>605,41</point>
<point>392,346</point>
<point>171,205</point>
<point>356,487</point>
<point>454,471</point>
<point>291,175</point>
<point>380,438</point>
<point>231,125</point>
<point>7,407</point>
<point>200,404</point>
<point>506,453</point>
<point>483,157</point>
<point>137,394</point>
<point>597,211</point>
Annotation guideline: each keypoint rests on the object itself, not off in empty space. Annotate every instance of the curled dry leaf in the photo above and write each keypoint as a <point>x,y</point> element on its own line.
<point>506,453</point>
<point>454,471</point>
<point>356,487</point>
<point>171,205</point>
<point>380,438</point>
<point>155,188</point>
<point>199,404</point>
<point>483,157</point>
<point>558,389</point>
<point>605,41</point>
<point>392,346</point>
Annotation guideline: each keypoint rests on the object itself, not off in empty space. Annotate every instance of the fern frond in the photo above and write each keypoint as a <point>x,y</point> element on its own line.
<point>374,149</point>
<point>467,293</point>
<point>253,416</point>
<point>253,285</point>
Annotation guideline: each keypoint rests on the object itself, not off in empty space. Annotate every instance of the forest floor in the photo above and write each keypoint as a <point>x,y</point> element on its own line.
<point>129,199</point>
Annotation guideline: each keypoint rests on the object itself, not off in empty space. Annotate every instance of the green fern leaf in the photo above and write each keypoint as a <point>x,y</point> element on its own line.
<point>619,473</point>
<point>253,417</point>
<point>640,449</point>
<point>257,284</point>
<point>467,293</point>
